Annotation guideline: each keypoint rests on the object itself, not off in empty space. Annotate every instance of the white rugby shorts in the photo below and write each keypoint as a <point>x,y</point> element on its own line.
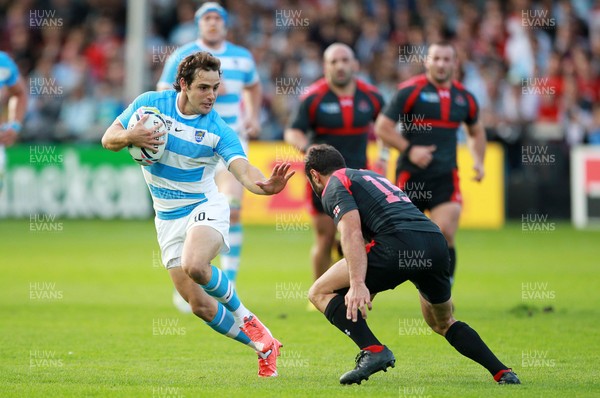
<point>171,234</point>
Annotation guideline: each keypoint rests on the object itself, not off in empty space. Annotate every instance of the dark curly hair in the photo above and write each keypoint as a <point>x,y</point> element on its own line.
<point>324,159</point>
<point>189,66</point>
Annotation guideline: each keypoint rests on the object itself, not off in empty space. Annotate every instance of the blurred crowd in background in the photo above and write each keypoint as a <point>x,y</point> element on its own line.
<point>534,67</point>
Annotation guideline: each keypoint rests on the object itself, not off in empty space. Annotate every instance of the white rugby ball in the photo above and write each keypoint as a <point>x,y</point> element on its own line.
<point>155,122</point>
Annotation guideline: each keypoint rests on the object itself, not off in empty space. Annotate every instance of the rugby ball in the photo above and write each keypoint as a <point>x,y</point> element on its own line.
<point>155,122</point>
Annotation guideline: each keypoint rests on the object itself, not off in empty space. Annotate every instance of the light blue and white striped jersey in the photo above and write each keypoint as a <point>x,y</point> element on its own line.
<point>239,71</point>
<point>184,176</point>
<point>9,73</point>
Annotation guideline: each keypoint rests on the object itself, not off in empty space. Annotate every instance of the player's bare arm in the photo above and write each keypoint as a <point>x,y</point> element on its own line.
<point>296,138</point>
<point>385,129</point>
<point>358,297</point>
<point>476,142</point>
<point>17,103</point>
<point>254,180</point>
<point>252,96</point>
<point>117,137</point>
<point>17,106</point>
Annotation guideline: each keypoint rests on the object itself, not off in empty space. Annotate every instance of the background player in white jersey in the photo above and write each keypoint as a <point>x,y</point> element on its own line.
<point>192,217</point>
<point>239,81</point>
<point>17,105</point>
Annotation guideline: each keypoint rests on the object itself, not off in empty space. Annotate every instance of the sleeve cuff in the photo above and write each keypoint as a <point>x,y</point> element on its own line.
<point>14,125</point>
<point>231,159</point>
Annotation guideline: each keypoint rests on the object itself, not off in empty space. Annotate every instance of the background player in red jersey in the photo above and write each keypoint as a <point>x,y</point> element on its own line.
<point>367,207</point>
<point>339,110</point>
<point>430,108</point>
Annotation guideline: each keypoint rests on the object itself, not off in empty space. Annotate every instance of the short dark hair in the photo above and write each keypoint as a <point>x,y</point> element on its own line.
<point>444,43</point>
<point>189,66</point>
<point>324,159</point>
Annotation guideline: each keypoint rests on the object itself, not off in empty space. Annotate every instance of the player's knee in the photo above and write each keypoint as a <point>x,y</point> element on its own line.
<point>442,326</point>
<point>314,293</point>
<point>438,329</point>
<point>199,271</point>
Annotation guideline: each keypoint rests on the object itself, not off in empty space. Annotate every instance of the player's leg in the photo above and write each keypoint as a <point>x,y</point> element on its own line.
<point>207,308</point>
<point>323,289</point>
<point>230,262</point>
<point>327,294</point>
<point>446,205</point>
<point>324,232</point>
<point>324,235</point>
<point>188,245</point>
<point>465,339</point>
<point>436,305</point>
<point>202,244</point>
<point>446,216</point>
<point>233,190</point>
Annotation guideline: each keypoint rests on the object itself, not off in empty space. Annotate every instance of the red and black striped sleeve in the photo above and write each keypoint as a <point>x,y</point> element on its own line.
<point>378,102</point>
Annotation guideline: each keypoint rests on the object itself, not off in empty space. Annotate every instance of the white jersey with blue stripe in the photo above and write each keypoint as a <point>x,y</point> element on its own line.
<point>239,71</point>
<point>184,176</point>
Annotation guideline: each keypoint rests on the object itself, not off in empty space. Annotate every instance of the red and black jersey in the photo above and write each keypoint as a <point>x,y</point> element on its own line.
<point>431,115</point>
<point>384,209</point>
<point>343,122</point>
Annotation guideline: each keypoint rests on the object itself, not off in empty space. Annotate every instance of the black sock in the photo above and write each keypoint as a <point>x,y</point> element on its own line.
<point>452,253</point>
<point>467,342</point>
<point>358,331</point>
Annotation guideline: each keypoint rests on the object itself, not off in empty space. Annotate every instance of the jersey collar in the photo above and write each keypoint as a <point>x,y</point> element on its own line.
<point>336,174</point>
<point>189,117</point>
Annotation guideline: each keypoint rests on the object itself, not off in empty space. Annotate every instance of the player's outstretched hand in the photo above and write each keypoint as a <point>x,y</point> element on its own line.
<point>357,298</point>
<point>142,137</point>
<point>278,180</point>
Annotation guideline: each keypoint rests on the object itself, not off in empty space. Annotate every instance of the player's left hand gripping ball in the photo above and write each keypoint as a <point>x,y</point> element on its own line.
<point>278,180</point>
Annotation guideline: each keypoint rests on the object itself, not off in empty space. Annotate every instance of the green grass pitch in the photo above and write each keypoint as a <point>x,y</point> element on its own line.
<point>85,311</point>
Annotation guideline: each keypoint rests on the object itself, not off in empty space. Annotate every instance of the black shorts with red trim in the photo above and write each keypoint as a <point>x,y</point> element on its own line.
<point>419,257</point>
<point>428,192</point>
